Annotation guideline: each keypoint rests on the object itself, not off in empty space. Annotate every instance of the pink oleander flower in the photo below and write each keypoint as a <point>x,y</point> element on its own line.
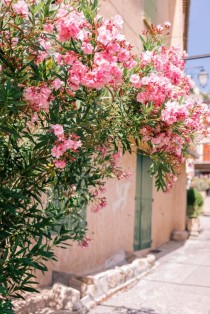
<point>159,27</point>
<point>135,80</point>
<point>100,203</point>
<point>41,57</point>
<point>123,55</point>
<point>61,164</point>
<point>57,129</point>
<point>38,97</point>
<point>174,112</point>
<point>167,24</point>
<point>72,144</point>
<point>171,179</point>
<point>85,242</point>
<point>87,48</point>
<point>69,58</point>
<point>57,83</point>
<point>34,118</point>
<point>118,21</point>
<point>70,24</point>
<point>48,28</point>
<point>58,150</point>
<point>21,8</point>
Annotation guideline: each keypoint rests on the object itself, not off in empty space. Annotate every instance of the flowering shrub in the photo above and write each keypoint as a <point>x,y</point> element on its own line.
<point>168,120</point>
<point>73,96</point>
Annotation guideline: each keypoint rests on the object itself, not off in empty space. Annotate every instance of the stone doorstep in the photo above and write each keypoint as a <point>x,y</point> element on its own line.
<point>83,293</point>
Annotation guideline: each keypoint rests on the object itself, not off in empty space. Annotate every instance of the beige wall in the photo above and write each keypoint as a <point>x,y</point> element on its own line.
<point>111,229</point>
<point>169,211</point>
<point>132,14</point>
<point>171,10</point>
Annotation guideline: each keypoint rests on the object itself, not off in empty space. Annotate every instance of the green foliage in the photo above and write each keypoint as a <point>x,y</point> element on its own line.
<point>194,203</point>
<point>31,226</point>
<point>199,199</point>
<point>191,197</point>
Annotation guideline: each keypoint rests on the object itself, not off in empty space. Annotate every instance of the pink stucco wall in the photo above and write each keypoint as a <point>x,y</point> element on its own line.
<point>111,230</point>
<point>169,211</point>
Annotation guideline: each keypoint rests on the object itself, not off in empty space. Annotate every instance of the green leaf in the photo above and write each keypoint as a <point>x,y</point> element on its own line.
<point>10,130</point>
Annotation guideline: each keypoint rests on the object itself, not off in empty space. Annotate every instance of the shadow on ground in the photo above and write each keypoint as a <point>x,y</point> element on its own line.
<point>107,309</point>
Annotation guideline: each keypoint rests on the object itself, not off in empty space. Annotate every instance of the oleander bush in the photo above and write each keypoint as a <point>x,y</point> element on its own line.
<point>73,99</point>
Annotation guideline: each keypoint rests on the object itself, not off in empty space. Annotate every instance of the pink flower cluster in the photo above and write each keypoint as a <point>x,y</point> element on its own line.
<point>21,8</point>
<point>174,112</point>
<point>170,181</point>
<point>191,113</point>
<point>103,41</point>
<point>62,145</point>
<point>70,24</point>
<point>38,97</point>
<point>165,81</point>
<point>176,128</point>
<point>109,49</point>
<point>99,204</point>
<point>85,242</point>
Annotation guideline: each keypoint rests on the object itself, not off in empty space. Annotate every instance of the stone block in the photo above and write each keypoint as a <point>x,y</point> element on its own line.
<point>140,265</point>
<point>83,304</point>
<point>63,297</point>
<point>101,286</point>
<point>122,275</point>
<point>88,290</point>
<point>92,279</point>
<point>128,270</point>
<point>113,278</point>
<point>32,303</point>
<point>96,285</point>
<point>151,259</point>
<point>179,235</point>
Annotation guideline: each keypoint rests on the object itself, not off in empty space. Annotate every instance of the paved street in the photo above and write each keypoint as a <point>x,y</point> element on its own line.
<point>180,284</point>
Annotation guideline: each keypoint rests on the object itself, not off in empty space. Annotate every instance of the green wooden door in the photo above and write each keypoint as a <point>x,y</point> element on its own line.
<point>143,214</point>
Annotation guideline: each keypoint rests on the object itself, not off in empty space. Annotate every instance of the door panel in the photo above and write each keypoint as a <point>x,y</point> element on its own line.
<point>143,214</point>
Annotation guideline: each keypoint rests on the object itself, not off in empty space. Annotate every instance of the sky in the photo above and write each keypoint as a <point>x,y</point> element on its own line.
<point>199,39</point>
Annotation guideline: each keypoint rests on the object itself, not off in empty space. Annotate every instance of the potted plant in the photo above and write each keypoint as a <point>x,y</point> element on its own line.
<point>194,209</point>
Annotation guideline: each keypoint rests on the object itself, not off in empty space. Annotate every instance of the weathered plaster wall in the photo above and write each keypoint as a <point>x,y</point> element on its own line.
<point>132,14</point>
<point>169,211</point>
<point>111,230</point>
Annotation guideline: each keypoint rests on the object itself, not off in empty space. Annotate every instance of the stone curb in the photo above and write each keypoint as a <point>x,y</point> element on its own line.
<point>86,292</point>
<point>139,266</point>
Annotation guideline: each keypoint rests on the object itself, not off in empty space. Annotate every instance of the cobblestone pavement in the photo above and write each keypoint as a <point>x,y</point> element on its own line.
<point>180,284</point>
